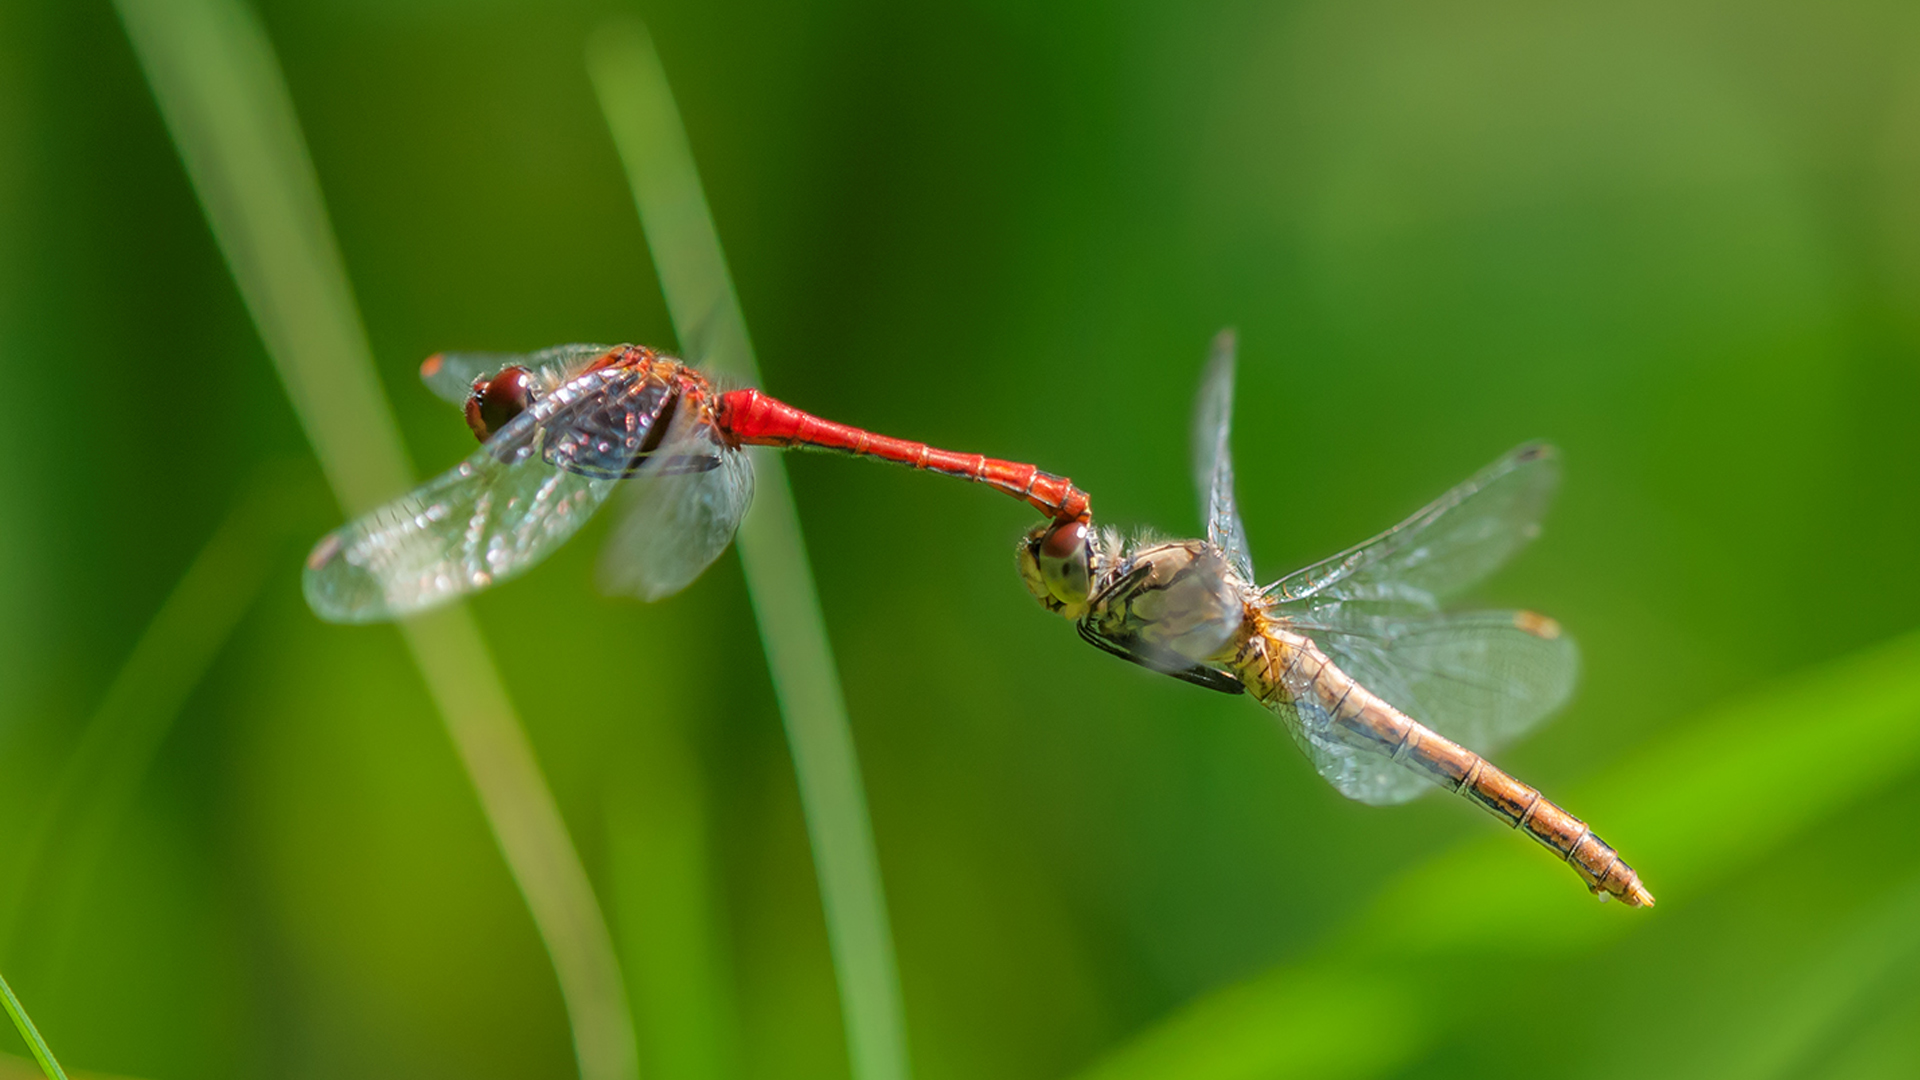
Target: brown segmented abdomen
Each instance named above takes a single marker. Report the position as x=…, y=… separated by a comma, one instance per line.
x=1278, y=664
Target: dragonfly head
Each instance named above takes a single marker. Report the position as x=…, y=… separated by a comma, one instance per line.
x=1057, y=563
x=497, y=399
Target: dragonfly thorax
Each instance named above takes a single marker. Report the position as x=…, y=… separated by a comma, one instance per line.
x=1175, y=596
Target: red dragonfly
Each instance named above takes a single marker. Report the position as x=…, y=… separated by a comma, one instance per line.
x=561, y=430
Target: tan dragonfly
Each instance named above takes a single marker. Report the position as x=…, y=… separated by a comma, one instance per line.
x=1383, y=689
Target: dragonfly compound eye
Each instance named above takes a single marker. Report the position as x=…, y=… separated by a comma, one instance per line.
x=496, y=401
x=1027, y=557
x=1065, y=558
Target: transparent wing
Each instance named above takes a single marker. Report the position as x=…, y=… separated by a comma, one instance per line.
x=1446, y=548
x=497, y=513
x=1361, y=775
x=451, y=375
x=1212, y=460
x=679, y=518
x=1481, y=679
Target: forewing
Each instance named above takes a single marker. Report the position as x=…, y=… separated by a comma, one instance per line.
x=451, y=375
x=1358, y=774
x=1481, y=679
x=494, y=515
x=1443, y=550
x=679, y=514
x=1213, y=460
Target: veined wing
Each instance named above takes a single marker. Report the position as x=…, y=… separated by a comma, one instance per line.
x=1481, y=679
x=1475, y=679
x=1354, y=771
x=1213, y=461
x=497, y=513
x=1361, y=775
x=451, y=375
x=681, y=514
x=1443, y=550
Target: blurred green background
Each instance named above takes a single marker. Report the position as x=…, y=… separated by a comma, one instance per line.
x=1682, y=240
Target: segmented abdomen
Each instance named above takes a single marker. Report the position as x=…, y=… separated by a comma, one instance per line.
x=1285, y=668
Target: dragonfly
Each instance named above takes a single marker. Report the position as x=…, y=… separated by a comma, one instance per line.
x=1381, y=686
x=563, y=429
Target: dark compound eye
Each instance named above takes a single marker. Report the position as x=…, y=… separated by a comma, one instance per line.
x=1064, y=540
x=1065, y=561
x=496, y=401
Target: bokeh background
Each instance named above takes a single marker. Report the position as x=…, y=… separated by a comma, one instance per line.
x=1682, y=240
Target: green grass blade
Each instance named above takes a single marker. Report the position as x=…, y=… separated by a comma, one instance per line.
x=1860, y=976
x=663, y=907
x=38, y=1045
x=1689, y=810
x=224, y=101
x=14, y=1067
x=103, y=775
x=639, y=107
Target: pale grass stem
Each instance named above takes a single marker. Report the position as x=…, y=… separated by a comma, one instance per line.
x=647, y=132
x=226, y=105
x=103, y=774
x=31, y=1034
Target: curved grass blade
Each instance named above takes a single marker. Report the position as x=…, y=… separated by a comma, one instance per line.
x=1864, y=974
x=661, y=899
x=38, y=1045
x=102, y=776
x=646, y=127
x=226, y=105
x=1692, y=808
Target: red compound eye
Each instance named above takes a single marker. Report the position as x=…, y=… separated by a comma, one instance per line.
x=1064, y=541
x=496, y=401
x=1065, y=561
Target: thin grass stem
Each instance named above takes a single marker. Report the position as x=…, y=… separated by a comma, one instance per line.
x=638, y=103
x=41, y=1052
x=666, y=916
x=226, y=105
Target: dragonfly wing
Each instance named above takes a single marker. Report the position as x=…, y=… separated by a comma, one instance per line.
x=1481, y=679
x=451, y=375
x=680, y=514
x=1446, y=548
x=1361, y=775
x=1213, y=461
x=497, y=513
